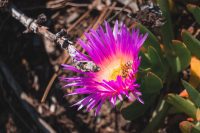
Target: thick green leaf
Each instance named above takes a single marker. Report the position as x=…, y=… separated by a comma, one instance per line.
x=167, y=28
x=183, y=55
x=193, y=93
x=167, y=36
x=195, y=129
x=192, y=43
x=182, y=104
x=173, y=111
x=151, y=39
x=151, y=86
x=151, y=83
x=137, y=109
x=145, y=62
x=158, y=117
x=156, y=62
x=195, y=10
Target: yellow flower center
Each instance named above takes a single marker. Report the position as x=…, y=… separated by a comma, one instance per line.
x=115, y=68
x=115, y=72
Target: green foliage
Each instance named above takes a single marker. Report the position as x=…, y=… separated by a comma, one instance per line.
x=161, y=64
x=195, y=10
x=158, y=115
x=183, y=55
x=137, y=109
x=182, y=104
x=156, y=62
x=151, y=40
x=167, y=28
x=151, y=84
x=188, y=107
x=193, y=93
x=195, y=129
x=192, y=43
x=145, y=63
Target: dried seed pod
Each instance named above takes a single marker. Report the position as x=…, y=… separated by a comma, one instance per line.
x=42, y=18
x=149, y=15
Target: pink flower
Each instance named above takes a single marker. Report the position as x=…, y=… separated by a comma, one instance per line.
x=116, y=53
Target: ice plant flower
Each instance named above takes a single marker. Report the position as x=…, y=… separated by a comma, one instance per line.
x=116, y=53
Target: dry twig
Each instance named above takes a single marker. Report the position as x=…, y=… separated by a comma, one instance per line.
x=106, y=12
x=34, y=26
x=59, y=38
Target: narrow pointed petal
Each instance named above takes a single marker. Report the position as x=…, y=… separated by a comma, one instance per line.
x=116, y=53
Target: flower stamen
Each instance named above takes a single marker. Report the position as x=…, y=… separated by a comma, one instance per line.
x=123, y=70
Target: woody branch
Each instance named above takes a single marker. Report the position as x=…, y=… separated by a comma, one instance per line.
x=33, y=25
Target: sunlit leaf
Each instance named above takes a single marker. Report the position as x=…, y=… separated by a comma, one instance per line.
x=198, y=114
x=195, y=72
x=182, y=104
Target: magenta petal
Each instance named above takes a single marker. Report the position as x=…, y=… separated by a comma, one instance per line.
x=105, y=46
x=72, y=68
x=99, y=107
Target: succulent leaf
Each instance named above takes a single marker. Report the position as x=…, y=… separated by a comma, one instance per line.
x=195, y=10
x=182, y=104
x=192, y=43
x=194, y=95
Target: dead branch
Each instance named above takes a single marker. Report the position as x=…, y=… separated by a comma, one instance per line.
x=106, y=12
x=34, y=26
